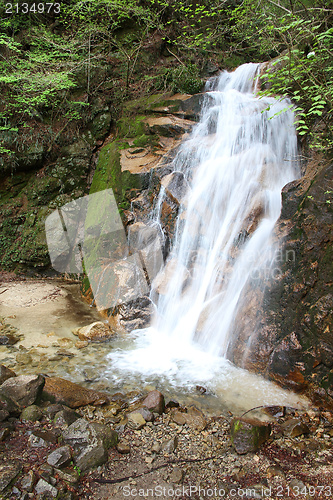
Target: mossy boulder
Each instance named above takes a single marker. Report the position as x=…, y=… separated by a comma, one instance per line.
x=247, y=435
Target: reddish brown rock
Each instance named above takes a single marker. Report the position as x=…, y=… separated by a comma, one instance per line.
x=294, y=343
x=59, y=390
x=155, y=402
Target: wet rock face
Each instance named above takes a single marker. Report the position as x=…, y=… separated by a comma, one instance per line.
x=294, y=345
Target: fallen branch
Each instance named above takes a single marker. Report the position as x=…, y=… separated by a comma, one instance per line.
x=171, y=462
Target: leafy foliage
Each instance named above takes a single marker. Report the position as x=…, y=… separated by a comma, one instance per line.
x=300, y=34
x=49, y=62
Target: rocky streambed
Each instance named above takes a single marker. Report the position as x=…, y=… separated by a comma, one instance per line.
x=59, y=440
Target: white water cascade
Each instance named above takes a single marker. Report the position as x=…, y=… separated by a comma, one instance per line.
x=236, y=161
x=241, y=155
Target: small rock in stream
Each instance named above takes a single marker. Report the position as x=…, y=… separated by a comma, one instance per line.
x=154, y=401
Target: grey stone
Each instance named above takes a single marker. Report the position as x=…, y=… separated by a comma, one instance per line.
x=79, y=434
x=24, y=389
x=52, y=409
x=59, y=457
x=28, y=481
x=147, y=415
x=31, y=413
x=41, y=438
x=169, y=445
x=66, y=417
x=9, y=406
x=45, y=488
x=106, y=435
x=37, y=442
x=8, y=472
x=46, y=468
x=91, y=456
x=68, y=474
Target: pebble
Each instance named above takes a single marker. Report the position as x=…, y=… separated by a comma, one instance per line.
x=169, y=445
x=123, y=447
x=176, y=475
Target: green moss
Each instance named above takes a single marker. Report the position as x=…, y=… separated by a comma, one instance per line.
x=131, y=127
x=141, y=141
x=108, y=171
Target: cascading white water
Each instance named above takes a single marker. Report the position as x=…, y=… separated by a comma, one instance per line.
x=236, y=161
x=243, y=152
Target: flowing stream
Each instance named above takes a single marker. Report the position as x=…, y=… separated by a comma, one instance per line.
x=236, y=161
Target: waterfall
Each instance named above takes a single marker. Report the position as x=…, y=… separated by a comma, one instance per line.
x=237, y=160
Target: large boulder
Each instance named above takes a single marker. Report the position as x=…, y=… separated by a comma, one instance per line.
x=25, y=390
x=63, y=391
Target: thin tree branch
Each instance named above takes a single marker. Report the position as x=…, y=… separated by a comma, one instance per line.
x=166, y=464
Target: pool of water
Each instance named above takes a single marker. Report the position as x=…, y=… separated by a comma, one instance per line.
x=45, y=313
